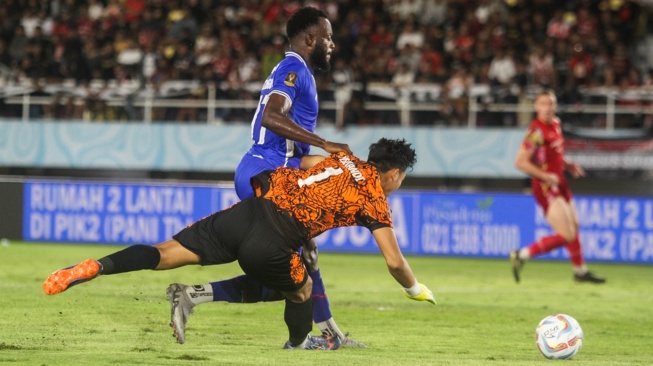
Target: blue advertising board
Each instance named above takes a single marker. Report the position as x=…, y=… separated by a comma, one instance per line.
x=425, y=222
x=452, y=224
x=110, y=213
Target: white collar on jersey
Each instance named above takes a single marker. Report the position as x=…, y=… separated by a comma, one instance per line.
x=296, y=55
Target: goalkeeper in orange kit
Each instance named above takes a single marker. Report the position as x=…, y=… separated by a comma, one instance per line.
x=264, y=233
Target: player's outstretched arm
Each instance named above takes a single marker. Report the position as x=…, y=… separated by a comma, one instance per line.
x=275, y=118
x=398, y=266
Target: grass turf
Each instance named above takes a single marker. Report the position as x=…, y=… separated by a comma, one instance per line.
x=482, y=316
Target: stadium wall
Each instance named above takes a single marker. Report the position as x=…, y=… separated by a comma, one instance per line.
x=174, y=147
x=106, y=209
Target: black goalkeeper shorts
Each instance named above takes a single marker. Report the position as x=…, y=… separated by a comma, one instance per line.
x=242, y=233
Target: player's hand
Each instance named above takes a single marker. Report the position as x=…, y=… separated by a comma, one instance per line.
x=551, y=179
x=425, y=295
x=575, y=170
x=334, y=147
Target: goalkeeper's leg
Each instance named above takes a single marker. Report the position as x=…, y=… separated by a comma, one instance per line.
x=321, y=308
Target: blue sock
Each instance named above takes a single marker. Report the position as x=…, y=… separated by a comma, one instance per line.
x=321, y=310
x=242, y=289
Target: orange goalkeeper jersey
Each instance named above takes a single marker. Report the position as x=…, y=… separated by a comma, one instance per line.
x=340, y=191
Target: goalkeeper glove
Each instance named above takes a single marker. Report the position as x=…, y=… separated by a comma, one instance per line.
x=423, y=293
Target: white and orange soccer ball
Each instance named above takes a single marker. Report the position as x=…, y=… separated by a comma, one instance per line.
x=559, y=336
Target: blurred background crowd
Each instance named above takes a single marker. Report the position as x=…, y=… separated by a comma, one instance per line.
x=500, y=47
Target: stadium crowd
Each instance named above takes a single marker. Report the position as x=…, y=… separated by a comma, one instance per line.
x=507, y=45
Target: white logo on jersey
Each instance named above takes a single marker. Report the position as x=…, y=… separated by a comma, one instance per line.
x=319, y=177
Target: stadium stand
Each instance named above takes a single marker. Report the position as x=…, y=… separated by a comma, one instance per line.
x=100, y=60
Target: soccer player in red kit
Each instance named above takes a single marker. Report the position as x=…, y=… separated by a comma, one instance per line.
x=541, y=156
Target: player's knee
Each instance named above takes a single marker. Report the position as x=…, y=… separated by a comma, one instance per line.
x=309, y=255
x=303, y=294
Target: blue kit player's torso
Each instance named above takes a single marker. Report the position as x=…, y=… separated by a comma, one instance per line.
x=292, y=79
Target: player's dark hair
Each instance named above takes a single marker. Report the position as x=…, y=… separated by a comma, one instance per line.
x=387, y=154
x=303, y=19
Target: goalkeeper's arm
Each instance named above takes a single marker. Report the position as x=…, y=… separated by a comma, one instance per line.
x=398, y=266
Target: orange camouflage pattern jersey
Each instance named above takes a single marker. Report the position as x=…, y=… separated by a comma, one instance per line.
x=342, y=190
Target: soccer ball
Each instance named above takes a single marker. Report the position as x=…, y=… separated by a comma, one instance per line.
x=559, y=336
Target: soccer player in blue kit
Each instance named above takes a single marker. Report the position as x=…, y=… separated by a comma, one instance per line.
x=283, y=133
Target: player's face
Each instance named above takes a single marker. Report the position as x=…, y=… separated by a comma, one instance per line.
x=545, y=107
x=324, y=46
x=391, y=180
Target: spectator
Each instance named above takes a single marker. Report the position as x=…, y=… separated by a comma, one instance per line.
x=580, y=66
x=405, y=9
x=29, y=22
x=433, y=12
x=5, y=57
x=502, y=68
x=381, y=37
x=619, y=61
x=403, y=79
x=130, y=54
x=558, y=28
x=183, y=24
x=541, y=67
x=430, y=63
x=410, y=35
x=586, y=23
x=95, y=9
x=18, y=44
x=204, y=44
x=455, y=102
x=183, y=62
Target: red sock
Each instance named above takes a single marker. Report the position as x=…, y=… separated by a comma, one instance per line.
x=546, y=244
x=576, y=253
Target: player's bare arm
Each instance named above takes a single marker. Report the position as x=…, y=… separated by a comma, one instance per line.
x=309, y=161
x=399, y=269
x=523, y=163
x=275, y=118
x=398, y=266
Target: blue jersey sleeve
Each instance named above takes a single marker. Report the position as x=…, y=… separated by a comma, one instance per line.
x=292, y=79
x=289, y=80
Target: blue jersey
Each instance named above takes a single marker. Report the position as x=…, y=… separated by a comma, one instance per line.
x=291, y=78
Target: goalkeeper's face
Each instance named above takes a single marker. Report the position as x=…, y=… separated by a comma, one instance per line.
x=391, y=180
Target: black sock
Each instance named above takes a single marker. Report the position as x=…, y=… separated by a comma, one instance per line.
x=299, y=319
x=133, y=258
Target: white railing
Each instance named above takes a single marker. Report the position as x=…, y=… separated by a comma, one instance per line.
x=416, y=98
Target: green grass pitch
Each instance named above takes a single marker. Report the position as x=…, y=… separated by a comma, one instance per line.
x=482, y=316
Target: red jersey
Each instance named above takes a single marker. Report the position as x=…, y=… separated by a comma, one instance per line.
x=545, y=143
x=342, y=190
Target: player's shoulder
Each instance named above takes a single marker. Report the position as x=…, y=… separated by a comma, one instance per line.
x=535, y=126
x=293, y=62
x=292, y=70
x=346, y=157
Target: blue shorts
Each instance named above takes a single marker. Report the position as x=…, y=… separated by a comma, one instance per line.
x=253, y=164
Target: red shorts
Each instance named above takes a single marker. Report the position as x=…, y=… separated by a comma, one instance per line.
x=544, y=195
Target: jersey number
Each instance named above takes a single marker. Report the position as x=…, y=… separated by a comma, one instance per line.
x=319, y=177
